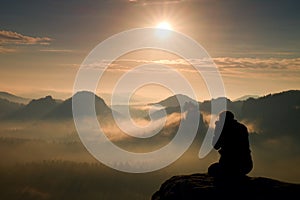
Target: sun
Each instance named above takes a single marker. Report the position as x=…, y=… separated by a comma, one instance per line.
x=164, y=25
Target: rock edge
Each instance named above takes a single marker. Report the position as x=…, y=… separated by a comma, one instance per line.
x=197, y=186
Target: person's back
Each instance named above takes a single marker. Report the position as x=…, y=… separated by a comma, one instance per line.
x=233, y=146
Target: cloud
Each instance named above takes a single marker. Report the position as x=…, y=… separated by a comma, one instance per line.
x=115, y=133
x=283, y=68
x=264, y=68
x=57, y=50
x=125, y=65
x=10, y=38
x=258, y=63
x=7, y=50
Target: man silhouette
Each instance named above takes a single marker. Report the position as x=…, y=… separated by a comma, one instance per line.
x=233, y=147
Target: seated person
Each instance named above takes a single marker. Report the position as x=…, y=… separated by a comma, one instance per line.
x=233, y=147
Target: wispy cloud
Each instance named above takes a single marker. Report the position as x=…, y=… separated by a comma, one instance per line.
x=258, y=63
x=282, y=68
x=124, y=65
x=8, y=39
x=266, y=68
x=6, y=50
x=57, y=50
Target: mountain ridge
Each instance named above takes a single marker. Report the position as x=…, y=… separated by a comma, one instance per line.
x=47, y=108
x=35, y=109
x=175, y=101
x=63, y=109
x=7, y=107
x=13, y=98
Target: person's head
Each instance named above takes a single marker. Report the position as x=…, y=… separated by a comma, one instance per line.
x=226, y=116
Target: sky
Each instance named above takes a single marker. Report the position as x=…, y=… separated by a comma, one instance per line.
x=255, y=44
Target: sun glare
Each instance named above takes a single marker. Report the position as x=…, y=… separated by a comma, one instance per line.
x=164, y=25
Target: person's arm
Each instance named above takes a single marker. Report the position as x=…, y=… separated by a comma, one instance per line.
x=246, y=137
x=218, y=138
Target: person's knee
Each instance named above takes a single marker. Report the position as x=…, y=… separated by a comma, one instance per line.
x=214, y=169
x=247, y=169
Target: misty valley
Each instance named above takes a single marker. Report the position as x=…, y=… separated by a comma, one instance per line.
x=42, y=156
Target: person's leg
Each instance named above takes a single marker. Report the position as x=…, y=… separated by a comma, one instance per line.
x=214, y=169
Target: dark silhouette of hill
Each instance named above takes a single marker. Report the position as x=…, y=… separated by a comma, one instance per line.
x=14, y=98
x=274, y=113
x=64, y=110
x=281, y=107
x=278, y=110
x=235, y=107
x=205, y=107
x=171, y=105
x=48, y=108
x=174, y=101
x=7, y=107
x=203, y=186
x=36, y=109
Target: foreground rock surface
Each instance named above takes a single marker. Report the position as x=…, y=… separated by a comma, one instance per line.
x=199, y=186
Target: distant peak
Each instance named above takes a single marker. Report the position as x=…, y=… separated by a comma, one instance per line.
x=49, y=97
x=84, y=93
x=175, y=100
x=46, y=99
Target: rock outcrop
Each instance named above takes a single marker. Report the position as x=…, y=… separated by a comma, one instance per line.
x=201, y=186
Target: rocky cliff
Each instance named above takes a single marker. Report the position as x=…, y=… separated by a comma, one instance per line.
x=200, y=186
